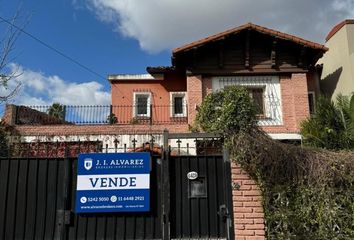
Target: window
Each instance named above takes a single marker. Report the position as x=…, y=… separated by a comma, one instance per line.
x=270, y=106
x=311, y=97
x=142, y=103
x=258, y=98
x=178, y=104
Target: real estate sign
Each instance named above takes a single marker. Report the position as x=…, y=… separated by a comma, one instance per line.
x=113, y=182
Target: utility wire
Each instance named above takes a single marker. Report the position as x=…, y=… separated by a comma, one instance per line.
x=53, y=49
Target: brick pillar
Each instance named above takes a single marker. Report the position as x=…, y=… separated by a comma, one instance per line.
x=288, y=103
x=10, y=114
x=195, y=96
x=301, y=102
x=247, y=206
x=295, y=104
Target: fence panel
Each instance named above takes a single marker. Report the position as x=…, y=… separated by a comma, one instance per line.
x=34, y=204
x=89, y=115
x=30, y=193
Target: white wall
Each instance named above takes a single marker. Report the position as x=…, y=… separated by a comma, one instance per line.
x=338, y=61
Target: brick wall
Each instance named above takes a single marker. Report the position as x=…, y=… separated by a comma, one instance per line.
x=207, y=86
x=247, y=206
x=195, y=96
x=301, y=102
x=55, y=130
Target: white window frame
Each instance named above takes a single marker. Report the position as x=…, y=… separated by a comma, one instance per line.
x=173, y=95
x=135, y=106
x=273, y=114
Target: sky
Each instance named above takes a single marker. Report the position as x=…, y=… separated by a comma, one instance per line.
x=126, y=36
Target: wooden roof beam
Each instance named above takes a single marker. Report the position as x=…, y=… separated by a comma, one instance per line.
x=302, y=56
x=221, y=54
x=273, y=54
x=195, y=56
x=247, y=49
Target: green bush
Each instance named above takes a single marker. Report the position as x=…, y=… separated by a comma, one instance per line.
x=227, y=112
x=112, y=118
x=332, y=125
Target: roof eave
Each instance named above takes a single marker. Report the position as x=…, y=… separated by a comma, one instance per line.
x=252, y=26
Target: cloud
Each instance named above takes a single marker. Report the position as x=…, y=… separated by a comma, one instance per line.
x=164, y=24
x=39, y=89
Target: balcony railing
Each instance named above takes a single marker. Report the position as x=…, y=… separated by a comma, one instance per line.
x=81, y=115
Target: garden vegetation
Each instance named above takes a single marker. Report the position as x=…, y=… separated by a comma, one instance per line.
x=308, y=193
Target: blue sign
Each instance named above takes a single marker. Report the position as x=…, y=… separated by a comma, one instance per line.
x=113, y=182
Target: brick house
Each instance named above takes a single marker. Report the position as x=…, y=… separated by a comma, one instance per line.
x=278, y=69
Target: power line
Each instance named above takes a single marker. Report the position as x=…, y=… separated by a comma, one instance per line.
x=53, y=49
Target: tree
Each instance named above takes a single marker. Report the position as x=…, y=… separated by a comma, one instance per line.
x=332, y=125
x=57, y=110
x=9, y=33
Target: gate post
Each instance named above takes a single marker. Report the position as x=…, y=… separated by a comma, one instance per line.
x=63, y=214
x=228, y=193
x=165, y=188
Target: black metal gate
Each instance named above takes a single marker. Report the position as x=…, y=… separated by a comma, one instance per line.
x=198, y=207
x=37, y=200
x=200, y=190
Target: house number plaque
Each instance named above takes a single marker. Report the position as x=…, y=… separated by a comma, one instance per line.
x=192, y=175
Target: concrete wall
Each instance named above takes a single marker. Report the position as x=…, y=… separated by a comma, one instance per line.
x=122, y=90
x=159, y=90
x=338, y=63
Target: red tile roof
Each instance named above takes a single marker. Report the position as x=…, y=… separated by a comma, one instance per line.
x=338, y=27
x=255, y=27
